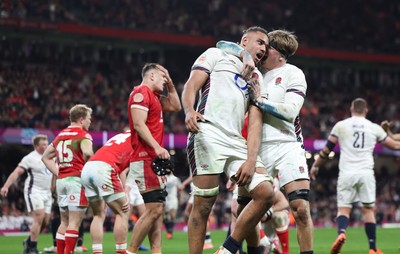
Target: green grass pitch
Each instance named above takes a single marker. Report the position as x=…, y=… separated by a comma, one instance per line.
x=388, y=240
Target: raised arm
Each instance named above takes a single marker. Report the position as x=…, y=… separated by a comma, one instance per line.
x=386, y=126
x=236, y=50
x=196, y=80
x=171, y=102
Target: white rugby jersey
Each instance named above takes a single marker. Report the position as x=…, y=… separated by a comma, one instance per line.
x=39, y=177
x=172, y=185
x=277, y=83
x=357, y=138
x=224, y=99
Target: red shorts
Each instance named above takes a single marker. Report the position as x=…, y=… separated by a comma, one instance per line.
x=146, y=180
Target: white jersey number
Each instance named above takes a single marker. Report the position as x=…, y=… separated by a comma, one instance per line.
x=118, y=139
x=65, y=153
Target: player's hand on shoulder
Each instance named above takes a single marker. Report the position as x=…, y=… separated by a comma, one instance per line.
x=245, y=173
x=248, y=65
x=191, y=120
x=254, y=88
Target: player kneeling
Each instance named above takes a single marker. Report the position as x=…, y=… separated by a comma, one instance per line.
x=102, y=178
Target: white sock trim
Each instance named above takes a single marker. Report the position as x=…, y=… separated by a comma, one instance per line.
x=60, y=236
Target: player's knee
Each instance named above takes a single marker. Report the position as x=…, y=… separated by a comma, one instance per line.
x=301, y=213
x=281, y=220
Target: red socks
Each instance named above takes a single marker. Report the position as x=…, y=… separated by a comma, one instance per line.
x=71, y=237
x=284, y=239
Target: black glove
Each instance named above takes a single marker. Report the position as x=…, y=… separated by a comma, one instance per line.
x=162, y=167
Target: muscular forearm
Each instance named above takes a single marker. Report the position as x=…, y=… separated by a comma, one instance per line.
x=287, y=111
x=231, y=48
x=254, y=133
x=145, y=134
x=172, y=102
x=13, y=177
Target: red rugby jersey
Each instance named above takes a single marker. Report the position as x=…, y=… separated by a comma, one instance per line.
x=116, y=152
x=69, y=156
x=143, y=98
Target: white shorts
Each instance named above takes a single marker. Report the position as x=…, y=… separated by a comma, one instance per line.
x=36, y=200
x=171, y=203
x=135, y=198
x=70, y=192
x=100, y=180
x=356, y=187
x=286, y=159
x=212, y=151
x=191, y=197
x=140, y=172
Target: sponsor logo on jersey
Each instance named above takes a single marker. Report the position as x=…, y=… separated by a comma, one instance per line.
x=68, y=133
x=201, y=59
x=143, y=154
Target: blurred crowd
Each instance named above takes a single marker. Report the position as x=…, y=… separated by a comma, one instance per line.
x=344, y=25
x=39, y=82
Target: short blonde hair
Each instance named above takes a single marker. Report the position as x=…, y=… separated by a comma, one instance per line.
x=37, y=138
x=285, y=42
x=78, y=111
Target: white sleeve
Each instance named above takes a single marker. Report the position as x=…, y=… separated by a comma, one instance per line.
x=207, y=61
x=288, y=110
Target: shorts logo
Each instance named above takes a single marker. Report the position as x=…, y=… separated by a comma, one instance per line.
x=104, y=187
x=72, y=197
x=204, y=167
x=301, y=169
x=278, y=81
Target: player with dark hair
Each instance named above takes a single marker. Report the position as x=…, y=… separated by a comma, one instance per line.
x=215, y=144
x=357, y=137
x=37, y=190
x=71, y=148
x=145, y=107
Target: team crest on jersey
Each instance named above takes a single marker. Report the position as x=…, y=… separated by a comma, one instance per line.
x=72, y=197
x=301, y=169
x=138, y=97
x=201, y=59
x=278, y=81
x=104, y=187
